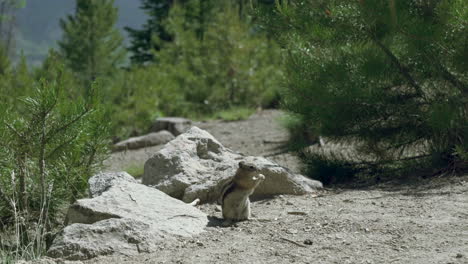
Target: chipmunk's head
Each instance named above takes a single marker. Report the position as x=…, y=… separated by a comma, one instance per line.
x=248, y=166
x=248, y=175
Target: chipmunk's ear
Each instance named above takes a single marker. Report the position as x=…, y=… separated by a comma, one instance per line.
x=241, y=164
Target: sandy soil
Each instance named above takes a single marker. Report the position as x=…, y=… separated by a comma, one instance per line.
x=424, y=221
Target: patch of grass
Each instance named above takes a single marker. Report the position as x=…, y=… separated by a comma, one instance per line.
x=12, y=252
x=234, y=114
x=136, y=170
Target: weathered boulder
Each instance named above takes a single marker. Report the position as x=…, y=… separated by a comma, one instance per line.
x=127, y=218
x=108, y=237
x=175, y=125
x=48, y=260
x=195, y=165
x=151, y=139
x=99, y=183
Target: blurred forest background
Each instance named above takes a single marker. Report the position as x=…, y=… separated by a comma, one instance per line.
x=37, y=25
x=387, y=79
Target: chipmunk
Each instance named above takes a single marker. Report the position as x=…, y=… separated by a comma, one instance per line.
x=235, y=201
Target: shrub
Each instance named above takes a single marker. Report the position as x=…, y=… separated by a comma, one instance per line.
x=50, y=146
x=391, y=75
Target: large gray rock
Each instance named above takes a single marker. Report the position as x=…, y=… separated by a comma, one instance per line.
x=196, y=165
x=99, y=183
x=151, y=139
x=127, y=218
x=175, y=125
x=108, y=237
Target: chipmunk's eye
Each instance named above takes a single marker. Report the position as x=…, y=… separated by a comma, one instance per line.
x=252, y=167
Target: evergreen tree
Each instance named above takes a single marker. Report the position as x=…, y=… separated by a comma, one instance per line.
x=143, y=40
x=52, y=146
x=91, y=44
x=216, y=61
x=389, y=74
x=8, y=9
x=4, y=61
x=154, y=34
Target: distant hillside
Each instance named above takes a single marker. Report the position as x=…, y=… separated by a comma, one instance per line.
x=39, y=30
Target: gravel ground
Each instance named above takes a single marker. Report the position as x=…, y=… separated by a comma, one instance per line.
x=425, y=221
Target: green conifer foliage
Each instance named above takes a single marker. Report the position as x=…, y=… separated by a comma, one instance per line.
x=216, y=61
x=91, y=44
x=391, y=74
x=142, y=43
x=53, y=142
x=4, y=61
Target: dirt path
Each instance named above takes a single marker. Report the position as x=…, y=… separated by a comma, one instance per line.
x=422, y=222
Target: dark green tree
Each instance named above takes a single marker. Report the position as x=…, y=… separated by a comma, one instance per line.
x=91, y=44
x=216, y=62
x=143, y=41
x=391, y=76
x=4, y=61
x=151, y=38
x=8, y=9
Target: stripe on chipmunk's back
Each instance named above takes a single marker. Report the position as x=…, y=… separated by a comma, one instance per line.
x=228, y=189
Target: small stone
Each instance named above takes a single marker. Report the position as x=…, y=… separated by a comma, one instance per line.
x=308, y=242
x=175, y=125
x=459, y=255
x=151, y=139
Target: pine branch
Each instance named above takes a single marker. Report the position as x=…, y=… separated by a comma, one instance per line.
x=61, y=146
x=403, y=69
x=67, y=125
x=452, y=79
x=20, y=136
